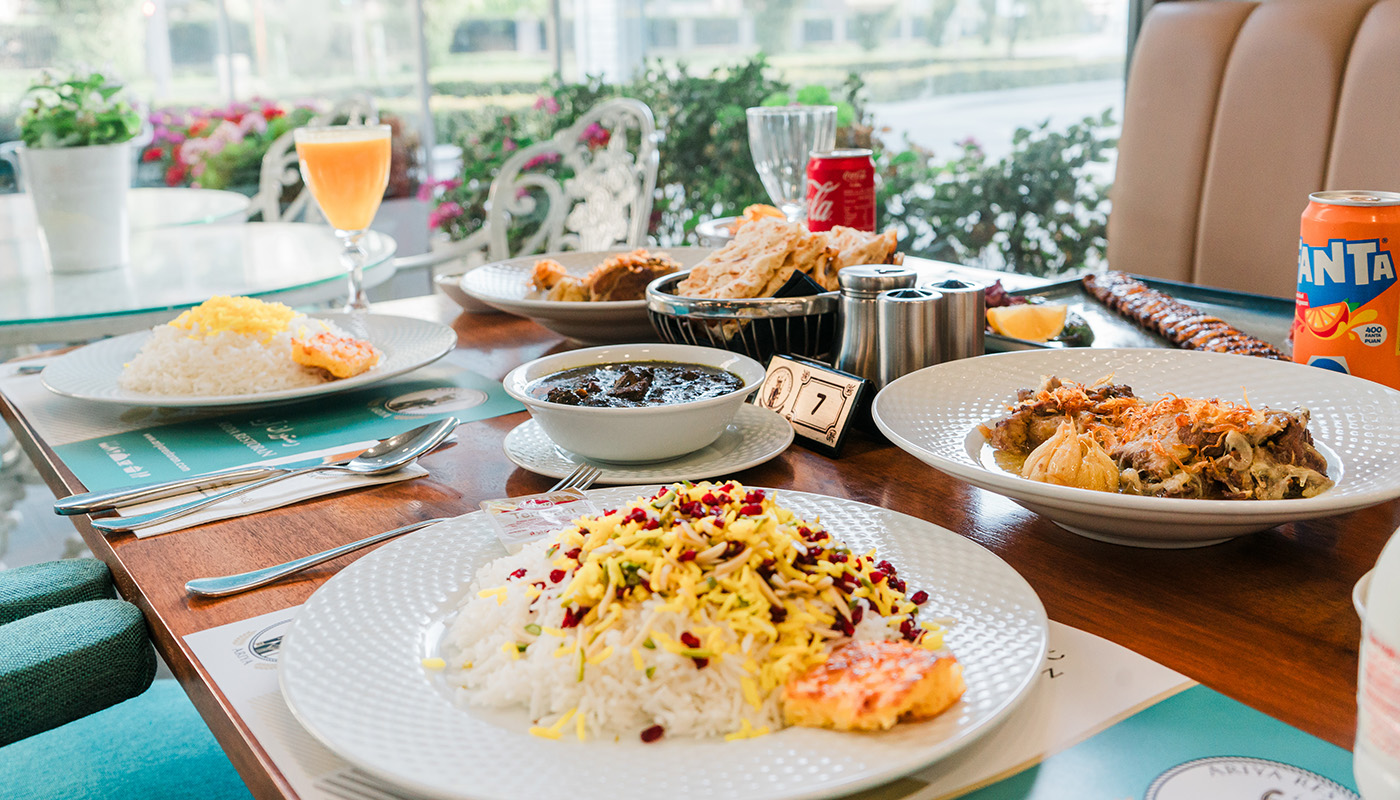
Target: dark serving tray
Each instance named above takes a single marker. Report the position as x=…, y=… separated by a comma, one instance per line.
x=1268, y=318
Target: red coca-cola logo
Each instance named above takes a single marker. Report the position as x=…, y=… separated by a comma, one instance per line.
x=819, y=202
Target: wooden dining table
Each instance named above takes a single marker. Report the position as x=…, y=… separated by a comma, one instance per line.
x=1266, y=618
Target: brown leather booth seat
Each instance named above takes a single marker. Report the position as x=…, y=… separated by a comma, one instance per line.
x=1235, y=112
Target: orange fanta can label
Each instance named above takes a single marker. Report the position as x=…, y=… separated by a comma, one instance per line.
x=1347, y=312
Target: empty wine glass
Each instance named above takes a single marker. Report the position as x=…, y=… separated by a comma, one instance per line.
x=781, y=139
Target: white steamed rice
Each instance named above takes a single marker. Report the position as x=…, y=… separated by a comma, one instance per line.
x=175, y=362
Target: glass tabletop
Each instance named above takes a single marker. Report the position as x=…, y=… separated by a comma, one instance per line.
x=149, y=208
x=177, y=267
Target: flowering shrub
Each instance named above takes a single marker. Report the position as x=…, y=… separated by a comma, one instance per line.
x=216, y=148
x=77, y=110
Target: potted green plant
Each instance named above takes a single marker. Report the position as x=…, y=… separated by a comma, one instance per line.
x=76, y=162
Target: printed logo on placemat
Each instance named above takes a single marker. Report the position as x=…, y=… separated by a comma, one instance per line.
x=259, y=649
x=1240, y=777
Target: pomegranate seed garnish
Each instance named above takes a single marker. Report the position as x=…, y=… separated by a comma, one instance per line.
x=653, y=733
x=556, y=575
x=857, y=612
x=837, y=558
x=751, y=510
x=709, y=499
x=609, y=512
x=520, y=573
x=804, y=531
x=701, y=663
x=690, y=640
x=717, y=521
x=887, y=567
x=845, y=626
x=688, y=555
x=897, y=584
x=574, y=553
x=728, y=487
x=920, y=597
x=572, y=617
x=756, y=496
x=907, y=628
x=652, y=524
x=876, y=576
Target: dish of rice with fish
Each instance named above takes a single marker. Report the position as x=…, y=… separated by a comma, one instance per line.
x=240, y=345
x=704, y=610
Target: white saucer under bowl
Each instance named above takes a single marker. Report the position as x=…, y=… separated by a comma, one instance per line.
x=754, y=436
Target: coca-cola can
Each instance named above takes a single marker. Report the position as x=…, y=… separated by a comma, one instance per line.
x=841, y=190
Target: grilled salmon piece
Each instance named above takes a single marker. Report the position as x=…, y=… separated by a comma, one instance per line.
x=341, y=356
x=869, y=686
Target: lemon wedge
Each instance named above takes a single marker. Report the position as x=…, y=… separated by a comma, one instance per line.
x=1035, y=322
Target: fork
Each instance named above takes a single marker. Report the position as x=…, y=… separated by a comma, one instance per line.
x=581, y=478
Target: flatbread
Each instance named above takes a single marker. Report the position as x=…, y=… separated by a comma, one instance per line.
x=766, y=252
x=742, y=268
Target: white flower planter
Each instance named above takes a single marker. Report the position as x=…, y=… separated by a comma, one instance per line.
x=79, y=198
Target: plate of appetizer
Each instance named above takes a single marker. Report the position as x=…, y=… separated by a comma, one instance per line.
x=741, y=649
x=1152, y=448
x=595, y=297
x=238, y=351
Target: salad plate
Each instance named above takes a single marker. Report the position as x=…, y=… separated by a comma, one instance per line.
x=367, y=631
x=505, y=285
x=93, y=372
x=934, y=415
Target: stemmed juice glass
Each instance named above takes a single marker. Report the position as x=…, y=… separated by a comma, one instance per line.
x=346, y=167
x=781, y=139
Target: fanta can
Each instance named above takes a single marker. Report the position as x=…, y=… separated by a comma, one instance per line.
x=1347, y=309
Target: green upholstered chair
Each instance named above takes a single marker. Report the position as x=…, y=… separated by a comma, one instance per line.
x=80, y=716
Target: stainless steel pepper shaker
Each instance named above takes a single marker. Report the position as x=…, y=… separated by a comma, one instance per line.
x=962, y=318
x=856, y=344
x=907, y=321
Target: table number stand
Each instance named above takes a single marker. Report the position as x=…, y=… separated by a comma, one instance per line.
x=820, y=402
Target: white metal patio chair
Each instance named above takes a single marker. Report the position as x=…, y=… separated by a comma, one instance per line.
x=605, y=203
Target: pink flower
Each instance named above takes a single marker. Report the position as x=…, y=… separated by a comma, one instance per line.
x=540, y=160
x=548, y=103
x=509, y=145
x=595, y=135
x=445, y=213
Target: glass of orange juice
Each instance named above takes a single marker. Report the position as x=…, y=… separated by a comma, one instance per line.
x=346, y=167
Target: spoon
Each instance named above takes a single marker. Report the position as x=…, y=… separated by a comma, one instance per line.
x=389, y=455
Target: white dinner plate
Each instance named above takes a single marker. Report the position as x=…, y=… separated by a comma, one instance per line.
x=92, y=372
x=506, y=285
x=351, y=672
x=934, y=413
x=754, y=436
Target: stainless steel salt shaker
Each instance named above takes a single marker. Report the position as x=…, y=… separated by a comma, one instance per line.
x=962, y=318
x=860, y=286
x=907, y=337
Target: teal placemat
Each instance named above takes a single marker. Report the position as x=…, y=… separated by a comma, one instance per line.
x=1195, y=745
x=264, y=434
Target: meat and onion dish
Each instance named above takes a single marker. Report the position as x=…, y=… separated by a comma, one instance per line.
x=635, y=383
x=1106, y=438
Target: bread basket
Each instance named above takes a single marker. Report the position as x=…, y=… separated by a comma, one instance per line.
x=759, y=327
